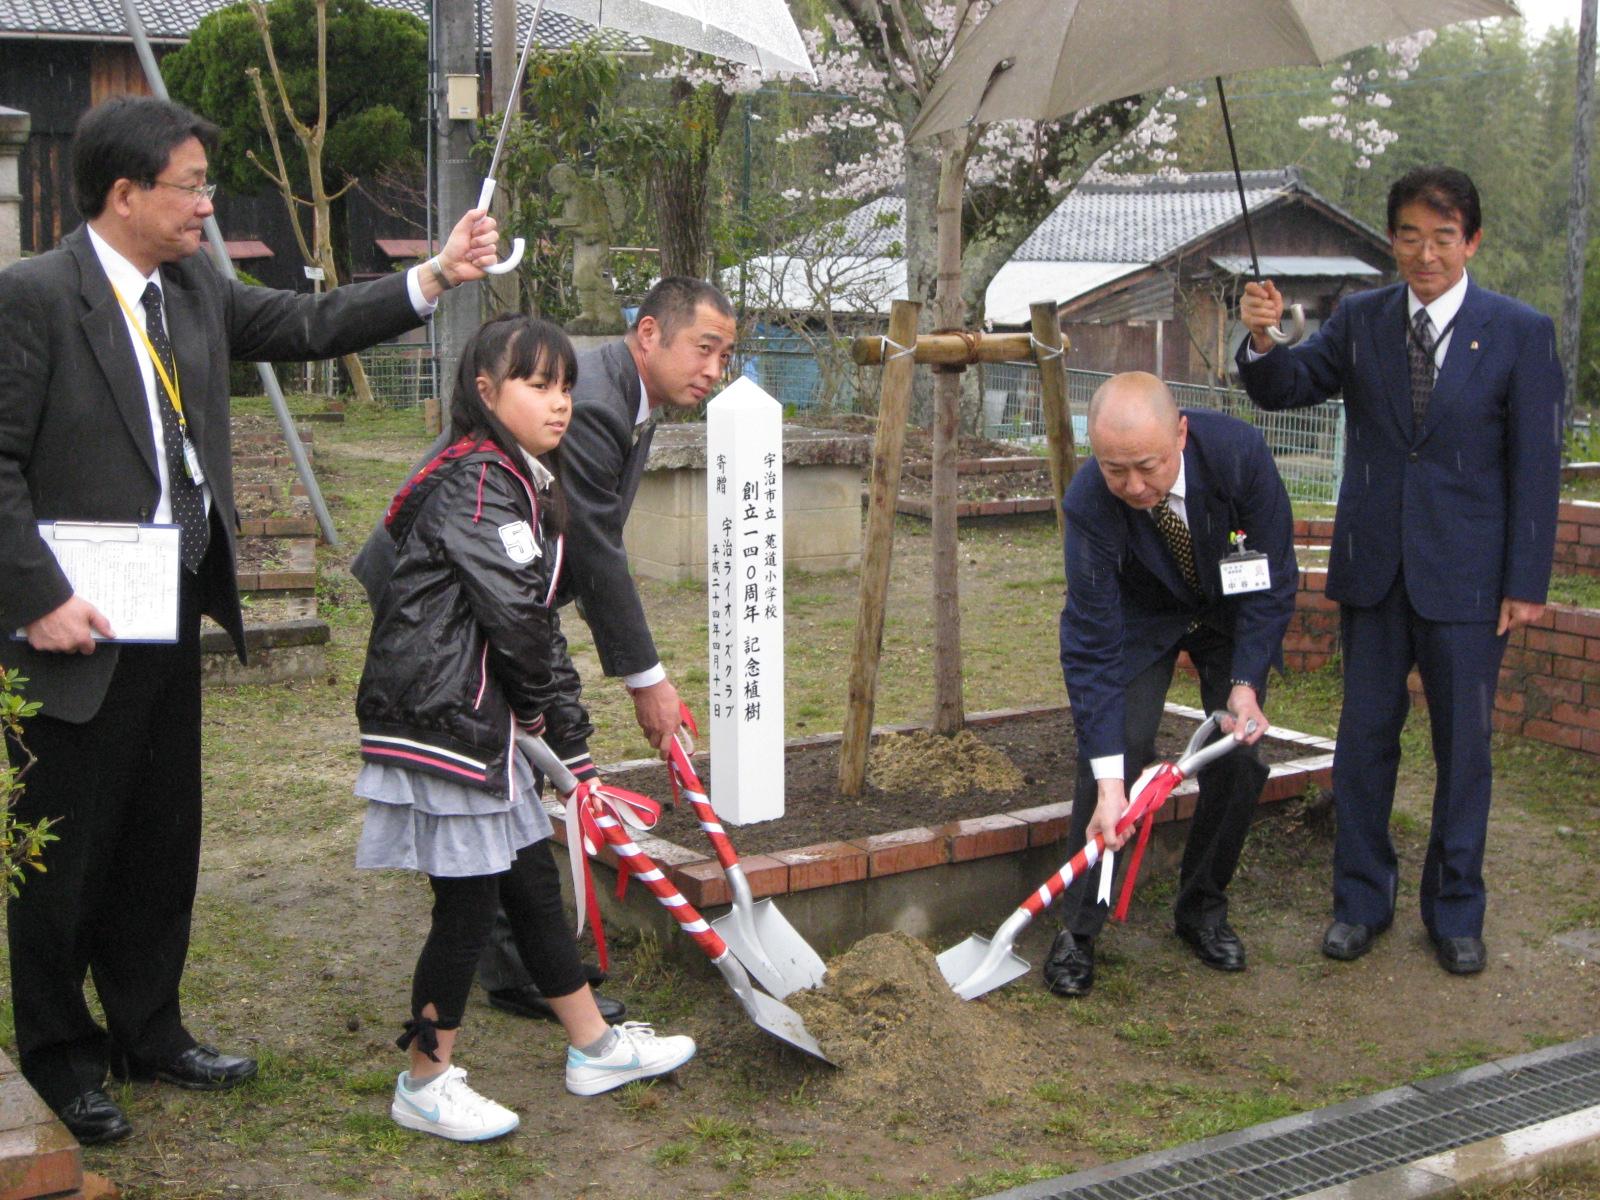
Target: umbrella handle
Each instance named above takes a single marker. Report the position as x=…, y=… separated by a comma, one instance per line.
x=1276, y=333
x=508, y=263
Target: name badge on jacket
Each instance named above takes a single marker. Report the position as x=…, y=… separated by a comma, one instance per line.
x=1244, y=570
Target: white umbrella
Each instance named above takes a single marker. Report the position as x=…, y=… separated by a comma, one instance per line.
x=758, y=33
x=1043, y=59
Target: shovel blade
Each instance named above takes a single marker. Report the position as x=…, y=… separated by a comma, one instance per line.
x=964, y=967
x=771, y=949
x=782, y=1022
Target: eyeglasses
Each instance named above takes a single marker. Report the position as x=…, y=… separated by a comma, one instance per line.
x=202, y=191
x=1442, y=243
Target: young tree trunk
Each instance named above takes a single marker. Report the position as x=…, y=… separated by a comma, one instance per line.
x=948, y=714
x=679, y=193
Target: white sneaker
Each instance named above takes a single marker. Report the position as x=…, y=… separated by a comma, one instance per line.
x=638, y=1054
x=446, y=1106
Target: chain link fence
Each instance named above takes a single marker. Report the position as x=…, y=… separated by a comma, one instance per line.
x=1307, y=443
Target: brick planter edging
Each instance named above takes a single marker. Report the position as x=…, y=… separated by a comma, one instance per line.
x=783, y=872
x=1577, y=549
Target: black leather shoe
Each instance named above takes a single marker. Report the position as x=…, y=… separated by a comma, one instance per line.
x=530, y=1002
x=1069, y=968
x=1460, y=955
x=93, y=1117
x=1218, y=946
x=1348, y=942
x=199, y=1068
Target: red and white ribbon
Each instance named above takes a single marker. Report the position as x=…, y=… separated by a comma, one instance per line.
x=585, y=807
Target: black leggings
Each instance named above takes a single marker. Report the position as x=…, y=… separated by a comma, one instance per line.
x=463, y=913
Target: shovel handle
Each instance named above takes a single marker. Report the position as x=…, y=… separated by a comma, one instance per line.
x=1080, y=863
x=683, y=775
x=645, y=871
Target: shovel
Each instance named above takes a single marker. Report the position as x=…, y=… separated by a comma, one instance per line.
x=777, y=1018
x=759, y=935
x=981, y=964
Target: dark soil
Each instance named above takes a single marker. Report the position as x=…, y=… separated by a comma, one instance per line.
x=1041, y=749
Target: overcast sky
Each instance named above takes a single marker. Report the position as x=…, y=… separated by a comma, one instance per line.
x=1541, y=14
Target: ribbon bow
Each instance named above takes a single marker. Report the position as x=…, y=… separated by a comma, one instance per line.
x=584, y=803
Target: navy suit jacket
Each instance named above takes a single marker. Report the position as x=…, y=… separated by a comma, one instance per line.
x=1468, y=503
x=1127, y=602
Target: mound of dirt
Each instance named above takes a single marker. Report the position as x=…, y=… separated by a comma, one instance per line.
x=946, y=765
x=901, y=1037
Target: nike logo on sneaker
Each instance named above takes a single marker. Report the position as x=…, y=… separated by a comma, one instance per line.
x=431, y=1114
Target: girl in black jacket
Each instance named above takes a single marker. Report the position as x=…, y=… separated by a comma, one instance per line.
x=460, y=660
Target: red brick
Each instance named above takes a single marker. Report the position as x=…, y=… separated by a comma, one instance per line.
x=39, y=1160
x=1591, y=693
x=1584, y=512
x=702, y=883
x=904, y=850
x=1557, y=735
x=1507, y=723
x=1511, y=702
x=1585, y=621
x=1576, y=668
x=1580, y=715
x=1047, y=823
x=1591, y=649
x=1566, y=531
x=1589, y=535
x=981, y=837
x=766, y=875
x=1554, y=690
x=823, y=865
x=1591, y=742
x=1181, y=805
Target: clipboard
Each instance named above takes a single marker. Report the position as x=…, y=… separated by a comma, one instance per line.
x=129, y=572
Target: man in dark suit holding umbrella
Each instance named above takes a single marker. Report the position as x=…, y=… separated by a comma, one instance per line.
x=114, y=408
x=1156, y=564
x=1442, y=541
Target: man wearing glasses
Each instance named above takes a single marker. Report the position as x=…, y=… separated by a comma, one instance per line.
x=1442, y=541
x=114, y=408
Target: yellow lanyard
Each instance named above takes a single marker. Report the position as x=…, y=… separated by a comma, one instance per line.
x=170, y=383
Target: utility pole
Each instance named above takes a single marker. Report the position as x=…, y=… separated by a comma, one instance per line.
x=1578, y=206
x=456, y=46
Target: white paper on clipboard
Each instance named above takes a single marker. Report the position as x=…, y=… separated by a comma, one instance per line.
x=129, y=572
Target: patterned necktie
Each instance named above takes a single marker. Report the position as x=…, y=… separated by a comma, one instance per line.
x=188, y=505
x=1419, y=350
x=1176, y=535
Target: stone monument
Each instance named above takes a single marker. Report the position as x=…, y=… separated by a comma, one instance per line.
x=586, y=215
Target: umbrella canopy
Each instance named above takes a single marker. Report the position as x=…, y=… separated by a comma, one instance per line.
x=758, y=33
x=1043, y=59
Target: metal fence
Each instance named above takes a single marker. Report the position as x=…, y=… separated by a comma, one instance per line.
x=401, y=374
x=1307, y=443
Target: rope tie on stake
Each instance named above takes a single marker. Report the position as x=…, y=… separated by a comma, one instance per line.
x=1044, y=353
x=885, y=341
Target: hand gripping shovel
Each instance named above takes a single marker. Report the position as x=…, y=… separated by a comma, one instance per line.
x=758, y=934
x=777, y=1018
x=981, y=964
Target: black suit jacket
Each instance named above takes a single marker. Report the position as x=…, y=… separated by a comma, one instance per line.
x=601, y=465
x=1127, y=602
x=75, y=436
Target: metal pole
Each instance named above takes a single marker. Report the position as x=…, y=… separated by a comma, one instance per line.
x=1578, y=207
x=219, y=254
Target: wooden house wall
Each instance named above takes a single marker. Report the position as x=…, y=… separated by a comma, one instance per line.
x=55, y=82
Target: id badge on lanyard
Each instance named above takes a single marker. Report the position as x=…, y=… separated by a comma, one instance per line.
x=1244, y=570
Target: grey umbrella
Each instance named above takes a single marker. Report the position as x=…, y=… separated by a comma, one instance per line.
x=1043, y=59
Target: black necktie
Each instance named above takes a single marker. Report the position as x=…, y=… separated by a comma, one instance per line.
x=188, y=505
x=1419, y=350
x=1176, y=535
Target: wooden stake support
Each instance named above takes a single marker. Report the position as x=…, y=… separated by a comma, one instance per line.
x=894, y=406
x=899, y=353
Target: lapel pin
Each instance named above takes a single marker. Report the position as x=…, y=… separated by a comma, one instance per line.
x=1474, y=346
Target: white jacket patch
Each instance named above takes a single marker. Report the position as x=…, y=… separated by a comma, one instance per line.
x=519, y=542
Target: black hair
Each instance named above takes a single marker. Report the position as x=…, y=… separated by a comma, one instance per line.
x=673, y=300
x=129, y=137
x=512, y=346
x=1445, y=190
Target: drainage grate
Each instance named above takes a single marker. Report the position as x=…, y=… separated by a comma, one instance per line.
x=1302, y=1154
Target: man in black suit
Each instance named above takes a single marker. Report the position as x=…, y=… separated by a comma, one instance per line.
x=1150, y=520
x=114, y=407
x=680, y=344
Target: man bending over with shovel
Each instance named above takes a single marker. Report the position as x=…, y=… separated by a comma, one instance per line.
x=1179, y=538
